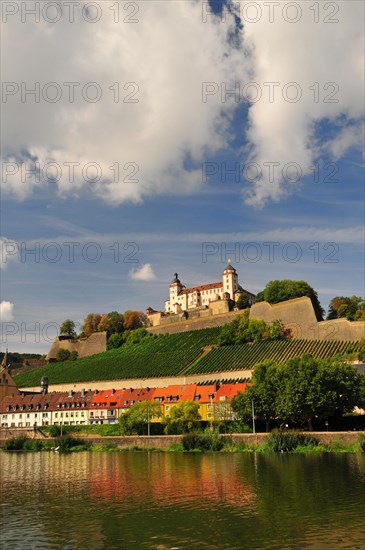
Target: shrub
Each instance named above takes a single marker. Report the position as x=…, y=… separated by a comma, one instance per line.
x=15, y=443
x=202, y=442
x=66, y=443
x=54, y=431
x=280, y=441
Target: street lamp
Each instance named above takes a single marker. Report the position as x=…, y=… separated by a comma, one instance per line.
x=253, y=417
x=148, y=418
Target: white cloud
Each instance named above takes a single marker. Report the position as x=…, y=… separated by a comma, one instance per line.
x=165, y=57
x=304, y=53
x=9, y=252
x=144, y=273
x=158, y=143
x=6, y=311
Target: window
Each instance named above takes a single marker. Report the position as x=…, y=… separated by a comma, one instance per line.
x=167, y=407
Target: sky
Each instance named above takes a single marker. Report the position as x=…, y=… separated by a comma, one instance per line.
x=140, y=139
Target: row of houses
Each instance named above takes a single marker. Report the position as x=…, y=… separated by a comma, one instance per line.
x=26, y=410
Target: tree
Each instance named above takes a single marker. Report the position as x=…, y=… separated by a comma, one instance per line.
x=183, y=418
x=115, y=341
x=243, y=301
x=73, y=356
x=68, y=329
x=91, y=323
x=115, y=322
x=135, y=420
x=134, y=319
x=282, y=290
x=311, y=387
x=243, y=329
x=263, y=392
x=353, y=308
x=135, y=336
x=63, y=354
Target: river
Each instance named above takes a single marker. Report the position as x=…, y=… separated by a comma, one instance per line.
x=131, y=500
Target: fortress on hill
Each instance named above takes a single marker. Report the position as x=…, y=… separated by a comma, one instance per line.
x=200, y=301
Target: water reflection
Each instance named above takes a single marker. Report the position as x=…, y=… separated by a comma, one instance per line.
x=164, y=501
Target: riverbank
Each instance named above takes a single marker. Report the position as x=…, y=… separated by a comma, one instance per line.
x=276, y=441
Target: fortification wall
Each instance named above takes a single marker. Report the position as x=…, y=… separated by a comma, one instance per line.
x=96, y=343
x=297, y=315
x=195, y=324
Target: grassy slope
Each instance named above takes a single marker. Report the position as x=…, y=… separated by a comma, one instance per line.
x=155, y=356
x=175, y=354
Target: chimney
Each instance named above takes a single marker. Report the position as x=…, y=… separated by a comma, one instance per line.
x=70, y=393
x=83, y=392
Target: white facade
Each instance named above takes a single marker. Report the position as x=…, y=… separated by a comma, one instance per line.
x=184, y=299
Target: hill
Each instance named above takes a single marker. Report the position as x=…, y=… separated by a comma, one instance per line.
x=186, y=353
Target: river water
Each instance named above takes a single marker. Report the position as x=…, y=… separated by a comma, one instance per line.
x=133, y=500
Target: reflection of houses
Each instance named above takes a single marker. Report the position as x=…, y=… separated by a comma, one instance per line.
x=217, y=298
x=24, y=410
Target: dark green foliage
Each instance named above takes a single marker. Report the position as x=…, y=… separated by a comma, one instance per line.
x=15, y=443
x=68, y=442
x=280, y=441
x=68, y=329
x=202, y=442
x=63, y=355
x=115, y=341
x=243, y=329
x=243, y=301
x=54, y=431
x=282, y=290
x=353, y=308
x=23, y=443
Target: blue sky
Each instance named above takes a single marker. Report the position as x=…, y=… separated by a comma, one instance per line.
x=147, y=229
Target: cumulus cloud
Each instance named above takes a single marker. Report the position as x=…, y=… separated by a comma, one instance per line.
x=150, y=130
x=323, y=60
x=6, y=311
x=144, y=273
x=9, y=252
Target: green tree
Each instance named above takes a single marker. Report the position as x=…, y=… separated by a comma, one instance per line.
x=282, y=290
x=243, y=301
x=311, y=387
x=184, y=417
x=115, y=341
x=243, y=329
x=68, y=329
x=135, y=336
x=263, y=392
x=63, y=354
x=135, y=420
x=115, y=322
x=353, y=308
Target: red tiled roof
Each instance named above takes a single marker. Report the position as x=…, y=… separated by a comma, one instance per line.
x=229, y=391
x=111, y=399
x=209, y=286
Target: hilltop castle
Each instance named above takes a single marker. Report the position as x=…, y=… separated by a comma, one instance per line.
x=185, y=299
x=200, y=301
